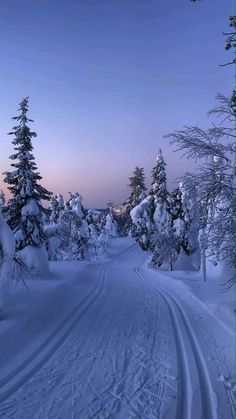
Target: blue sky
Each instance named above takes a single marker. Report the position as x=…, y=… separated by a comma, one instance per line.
x=106, y=80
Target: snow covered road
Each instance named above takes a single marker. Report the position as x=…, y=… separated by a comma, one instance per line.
x=133, y=345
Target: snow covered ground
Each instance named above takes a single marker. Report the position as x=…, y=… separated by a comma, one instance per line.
x=115, y=339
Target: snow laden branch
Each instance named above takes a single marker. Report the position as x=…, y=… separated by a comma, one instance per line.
x=196, y=143
x=225, y=107
x=219, y=141
x=214, y=178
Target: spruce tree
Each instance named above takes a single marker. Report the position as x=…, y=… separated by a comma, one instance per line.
x=178, y=219
x=137, y=185
x=163, y=244
x=159, y=189
x=56, y=207
x=138, y=188
x=191, y=216
x=25, y=212
x=2, y=200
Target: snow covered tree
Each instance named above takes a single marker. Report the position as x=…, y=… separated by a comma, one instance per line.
x=138, y=188
x=53, y=229
x=2, y=200
x=110, y=227
x=191, y=214
x=214, y=181
x=164, y=243
x=73, y=229
x=159, y=189
x=178, y=217
x=24, y=210
x=98, y=237
x=56, y=206
x=7, y=251
x=143, y=226
x=220, y=217
x=137, y=185
x=152, y=220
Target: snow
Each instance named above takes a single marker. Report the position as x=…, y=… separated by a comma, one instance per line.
x=54, y=248
x=116, y=339
x=137, y=212
x=7, y=249
x=30, y=209
x=35, y=259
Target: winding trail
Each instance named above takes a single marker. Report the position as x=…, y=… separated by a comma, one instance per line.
x=131, y=347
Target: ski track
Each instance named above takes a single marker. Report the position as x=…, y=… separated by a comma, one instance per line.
x=184, y=329
x=127, y=351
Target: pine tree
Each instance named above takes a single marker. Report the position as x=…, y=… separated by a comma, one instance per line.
x=138, y=188
x=2, y=200
x=163, y=244
x=143, y=228
x=25, y=212
x=191, y=213
x=137, y=185
x=159, y=189
x=74, y=231
x=56, y=206
x=178, y=217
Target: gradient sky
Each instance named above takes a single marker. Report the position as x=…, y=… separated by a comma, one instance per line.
x=107, y=79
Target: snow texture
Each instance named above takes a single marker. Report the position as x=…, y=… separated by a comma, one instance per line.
x=115, y=339
x=35, y=259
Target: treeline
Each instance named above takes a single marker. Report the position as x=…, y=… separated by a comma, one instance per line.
x=179, y=228
x=196, y=220
x=63, y=231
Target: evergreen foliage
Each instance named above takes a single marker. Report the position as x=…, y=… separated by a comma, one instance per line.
x=25, y=212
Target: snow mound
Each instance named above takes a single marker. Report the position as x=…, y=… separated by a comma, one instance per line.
x=36, y=259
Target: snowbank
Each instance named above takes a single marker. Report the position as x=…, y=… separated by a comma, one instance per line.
x=7, y=249
x=36, y=259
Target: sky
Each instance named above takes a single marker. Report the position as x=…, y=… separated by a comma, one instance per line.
x=106, y=81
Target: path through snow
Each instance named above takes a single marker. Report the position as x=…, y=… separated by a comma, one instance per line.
x=134, y=346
